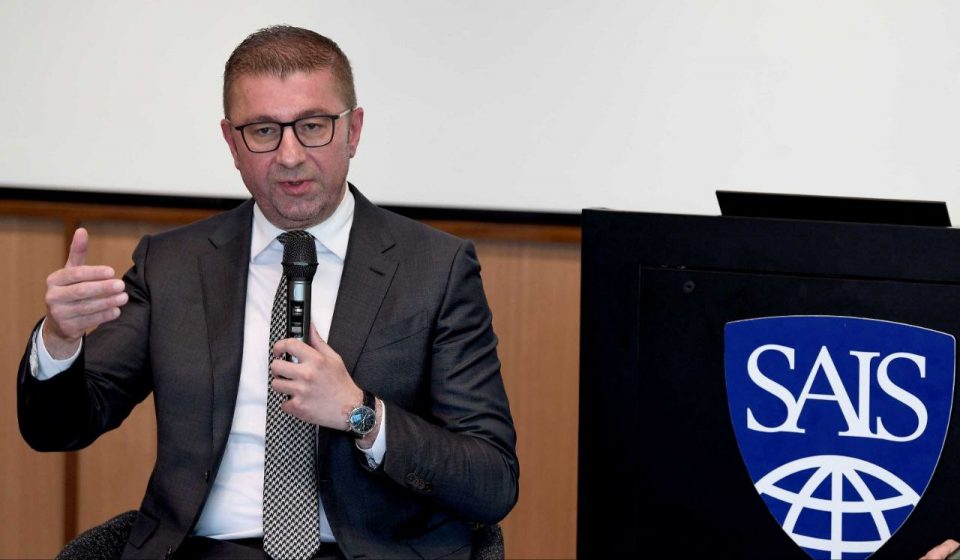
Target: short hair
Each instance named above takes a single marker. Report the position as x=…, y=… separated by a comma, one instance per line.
x=282, y=50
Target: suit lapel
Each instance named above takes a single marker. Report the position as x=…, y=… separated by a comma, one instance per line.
x=367, y=274
x=223, y=273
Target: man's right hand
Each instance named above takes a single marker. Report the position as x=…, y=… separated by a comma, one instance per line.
x=79, y=297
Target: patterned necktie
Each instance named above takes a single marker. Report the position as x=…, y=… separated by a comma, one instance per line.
x=291, y=516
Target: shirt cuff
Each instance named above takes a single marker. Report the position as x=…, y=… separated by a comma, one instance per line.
x=44, y=366
x=379, y=448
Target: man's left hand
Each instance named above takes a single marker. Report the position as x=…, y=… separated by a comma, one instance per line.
x=320, y=389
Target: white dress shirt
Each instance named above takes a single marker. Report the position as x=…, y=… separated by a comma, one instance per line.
x=234, y=508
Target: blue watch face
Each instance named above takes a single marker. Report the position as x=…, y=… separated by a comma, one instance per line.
x=362, y=419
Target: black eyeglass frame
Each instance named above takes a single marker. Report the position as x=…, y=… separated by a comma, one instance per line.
x=291, y=124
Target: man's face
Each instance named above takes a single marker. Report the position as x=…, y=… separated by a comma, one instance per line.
x=295, y=187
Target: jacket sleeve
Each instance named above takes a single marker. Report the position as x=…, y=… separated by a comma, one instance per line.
x=93, y=396
x=465, y=459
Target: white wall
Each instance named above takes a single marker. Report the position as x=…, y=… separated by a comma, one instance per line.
x=533, y=104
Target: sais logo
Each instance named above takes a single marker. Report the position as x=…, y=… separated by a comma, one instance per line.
x=840, y=422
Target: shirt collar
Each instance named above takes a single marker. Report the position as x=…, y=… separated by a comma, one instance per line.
x=331, y=234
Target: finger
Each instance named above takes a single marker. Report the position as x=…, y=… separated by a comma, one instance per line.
x=320, y=345
x=941, y=550
x=88, y=306
x=78, y=248
x=316, y=341
x=290, y=406
x=77, y=274
x=76, y=326
x=292, y=346
x=84, y=290
x=282, y=369
x=949, y=547
x=283, y=386
x=97, y=319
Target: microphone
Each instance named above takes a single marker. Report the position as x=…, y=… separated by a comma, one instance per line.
x=299, y=266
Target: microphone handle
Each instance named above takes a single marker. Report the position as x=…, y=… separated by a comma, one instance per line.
x=298, y=309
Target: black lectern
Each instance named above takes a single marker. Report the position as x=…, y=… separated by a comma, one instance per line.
x=662, y=472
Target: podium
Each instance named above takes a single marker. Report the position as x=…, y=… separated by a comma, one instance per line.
x=663, y=468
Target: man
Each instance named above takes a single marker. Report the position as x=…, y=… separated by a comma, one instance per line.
x=402, y=332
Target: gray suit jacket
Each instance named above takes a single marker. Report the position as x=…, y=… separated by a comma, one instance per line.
x=412, y=325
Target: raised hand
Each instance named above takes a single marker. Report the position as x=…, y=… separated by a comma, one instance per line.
x=79, y=297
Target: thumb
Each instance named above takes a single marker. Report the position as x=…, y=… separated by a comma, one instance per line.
x=78, y=248
x=318, y=343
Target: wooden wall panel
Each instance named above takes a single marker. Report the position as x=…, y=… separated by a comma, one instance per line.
x=31, y=483
x=112, y=473
x=534, y=292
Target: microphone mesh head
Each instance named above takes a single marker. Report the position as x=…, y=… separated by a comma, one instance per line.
x=299, y=255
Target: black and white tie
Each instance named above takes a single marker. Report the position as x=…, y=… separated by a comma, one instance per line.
x=291, y=508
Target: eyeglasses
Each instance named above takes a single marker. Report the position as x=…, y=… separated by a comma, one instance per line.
x=312, y=132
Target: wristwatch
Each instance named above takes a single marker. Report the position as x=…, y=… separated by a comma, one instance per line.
x=363, y=417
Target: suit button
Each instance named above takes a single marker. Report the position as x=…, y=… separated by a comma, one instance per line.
x=412, y=479
x=206, y=476
x=169, y=552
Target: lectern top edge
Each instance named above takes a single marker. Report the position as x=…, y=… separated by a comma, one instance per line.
x=833, y=208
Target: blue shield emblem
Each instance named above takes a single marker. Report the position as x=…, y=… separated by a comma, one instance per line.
x=840, y=422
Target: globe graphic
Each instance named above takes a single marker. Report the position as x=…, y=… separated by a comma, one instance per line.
x=835, y=470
